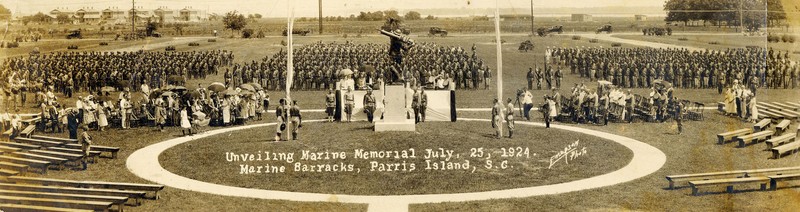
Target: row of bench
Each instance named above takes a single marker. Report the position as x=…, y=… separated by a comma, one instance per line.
x=44, y=194
x=25, y=193
x=778, y=141
x=730, y=178
x=42, y=154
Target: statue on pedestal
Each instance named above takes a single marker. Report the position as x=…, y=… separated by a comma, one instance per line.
x=398, y=47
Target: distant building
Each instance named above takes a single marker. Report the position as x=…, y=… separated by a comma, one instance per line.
x=113, y=16
x=164, y=15
x=581, y=17
x=640, y=17
x=87, y=15
x=191, y=15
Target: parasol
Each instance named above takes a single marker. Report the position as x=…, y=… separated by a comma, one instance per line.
x=108, y=89
x=247, y=87
x=216, y=87
x=155, y=94
x=663, y=83
x=230, y=92
x=178, y=89
x=256, y=86
x=193, y=94
x=246, y=93
x=345, y=72
x=167, y=93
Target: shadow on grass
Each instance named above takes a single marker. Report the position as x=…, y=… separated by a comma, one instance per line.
x=734, y=192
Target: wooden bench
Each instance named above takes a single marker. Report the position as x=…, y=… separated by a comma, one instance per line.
x=786, y=114
x=42, y=165
x=673, y=179
x=22, y=169
x=770, y=106
x=20, y=145
x=780, y=140
x=28, y=131
x=59, y=139
x=68, y=156
x=793, y=105
x=136, y=195
x=21, y=208
x=112, y=150
x=785, y=106
x=92, y=154
x=782, y=126
x=76, y=204
x=31, y=121
x=6, y=172
x=116, y=200
x=53, y=160
x=722, y=137
x=7, y=133
x=6, y=149
x=773, y=179
x=783, y=149
x=755, y=137
x=39, y=142
x=728, y=183
x=771, y=114
x=90, y=184
x=762, y=125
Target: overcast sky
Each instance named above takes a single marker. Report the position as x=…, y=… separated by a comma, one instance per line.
x=279, y=8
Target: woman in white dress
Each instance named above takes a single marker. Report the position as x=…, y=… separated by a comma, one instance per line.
x=185, y=124
x=226, y=111
x=753, y=108
x=102, y=117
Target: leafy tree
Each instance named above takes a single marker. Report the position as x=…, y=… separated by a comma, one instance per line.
x=5, y=13
x=63, y=19
x=150, y=28
x=258, y=16
x=430, y=17
x=413, y=15
x=234, y=21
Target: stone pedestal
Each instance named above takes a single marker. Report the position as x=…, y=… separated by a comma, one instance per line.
x=394, y=115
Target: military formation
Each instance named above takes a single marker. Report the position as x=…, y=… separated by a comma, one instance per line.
x=319, y=66
x=706, y=69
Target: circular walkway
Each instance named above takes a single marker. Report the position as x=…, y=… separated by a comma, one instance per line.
x=646, y=160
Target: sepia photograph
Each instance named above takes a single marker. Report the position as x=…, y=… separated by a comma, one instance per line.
x=399, y=105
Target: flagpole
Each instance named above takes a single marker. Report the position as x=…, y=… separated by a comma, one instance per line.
x=289, y=64
x=499, y=60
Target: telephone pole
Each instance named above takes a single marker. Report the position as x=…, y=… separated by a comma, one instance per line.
x=320, y=17
x=533, y=30
x=741, y=18
x=133, y=17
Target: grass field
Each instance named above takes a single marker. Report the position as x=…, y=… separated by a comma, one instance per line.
x=692, y=152
x=526, y=170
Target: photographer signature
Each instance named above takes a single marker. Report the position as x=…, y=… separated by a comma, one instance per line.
x=571, y=152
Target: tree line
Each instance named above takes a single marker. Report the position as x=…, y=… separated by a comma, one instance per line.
x=755, y=13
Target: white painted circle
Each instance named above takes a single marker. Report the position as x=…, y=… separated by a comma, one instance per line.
x=646, y=160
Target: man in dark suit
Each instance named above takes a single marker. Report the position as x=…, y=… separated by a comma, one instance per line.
x=72, y=123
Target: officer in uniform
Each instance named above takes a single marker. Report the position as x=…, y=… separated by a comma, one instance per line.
x=281, y=115
x=509, y=116
x=330, y=104
x=497, y=120
x=349, y=104
x=369, y=105
x=296, y=119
